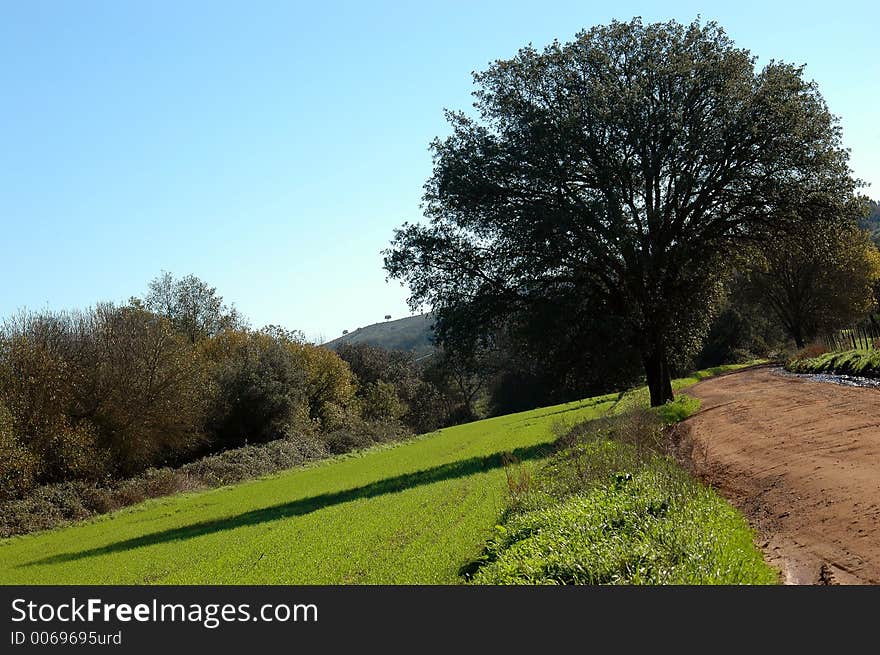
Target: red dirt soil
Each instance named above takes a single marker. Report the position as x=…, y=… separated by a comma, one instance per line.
x=801, y=459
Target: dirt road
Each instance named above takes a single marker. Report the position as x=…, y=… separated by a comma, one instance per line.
x=802, y=460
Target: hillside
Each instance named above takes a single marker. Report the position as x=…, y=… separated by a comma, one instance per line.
x=407, y=514
x=872, y=222
x=410, y=334
x=412, y=513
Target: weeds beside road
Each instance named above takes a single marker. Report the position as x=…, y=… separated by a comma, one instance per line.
x=612, y=506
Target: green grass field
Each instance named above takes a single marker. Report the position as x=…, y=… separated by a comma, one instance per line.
x=411, y=513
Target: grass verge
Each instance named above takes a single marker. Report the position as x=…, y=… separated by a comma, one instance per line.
x=864, y=363
x=612, y=506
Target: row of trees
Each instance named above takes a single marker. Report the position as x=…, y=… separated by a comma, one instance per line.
x=781, y=294
x=604, y=193
x=110, y=391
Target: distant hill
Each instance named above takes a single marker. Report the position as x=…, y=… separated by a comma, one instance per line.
x=872, y=222
x=411, y=334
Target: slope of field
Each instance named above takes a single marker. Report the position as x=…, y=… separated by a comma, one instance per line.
x=411, y=513
x=800, y=459
x=406, y=514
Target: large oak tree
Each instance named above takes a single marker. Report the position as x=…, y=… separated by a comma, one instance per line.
x=617, y=171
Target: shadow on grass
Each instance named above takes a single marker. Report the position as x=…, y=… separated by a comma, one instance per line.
x=302, y=506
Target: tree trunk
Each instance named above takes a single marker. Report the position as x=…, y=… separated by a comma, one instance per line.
x=798, y=334
x=659, y=379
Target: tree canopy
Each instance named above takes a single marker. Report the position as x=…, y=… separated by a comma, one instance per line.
x=818, y=280
x=617, y=171
x=193, y=307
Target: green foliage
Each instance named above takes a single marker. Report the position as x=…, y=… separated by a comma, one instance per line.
x=679, y=409
x=330, y=384
x=653, y=527
x=381, y=403
x=611, y=508
x=713, y=371
x=616, y=172
x=819, y=278
x=743, y=330
x=560, y=351
x=260, y=389
x=865, y=363
x=428, y=407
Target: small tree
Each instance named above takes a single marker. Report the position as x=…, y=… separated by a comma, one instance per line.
x=380, y=402
x=18, y=465
x=463, y=374
x=330, y=384
x=192, y=307
x=261, y=390
x=817, y=280
x=426, y=406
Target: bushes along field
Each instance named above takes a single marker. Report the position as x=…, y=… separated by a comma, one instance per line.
x=102, y=395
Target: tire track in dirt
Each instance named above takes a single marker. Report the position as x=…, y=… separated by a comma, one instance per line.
x=801, y=459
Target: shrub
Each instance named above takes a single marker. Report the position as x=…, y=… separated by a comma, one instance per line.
x=51, y=505
x=381, y=403
x=358, y=434
x=330, y=384
x=260, y=391
x=426, y=406
x=252, y=461
x=428, y=409
x=39, y=392
x=372, y=363
x=109, y=391
x=18, y=466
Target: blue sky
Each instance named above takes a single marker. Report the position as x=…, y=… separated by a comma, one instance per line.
x=271, y=147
